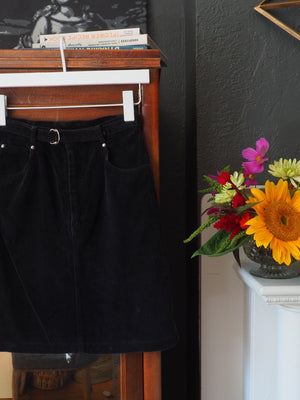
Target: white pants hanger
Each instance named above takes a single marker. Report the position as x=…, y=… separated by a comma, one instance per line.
x=75, y=78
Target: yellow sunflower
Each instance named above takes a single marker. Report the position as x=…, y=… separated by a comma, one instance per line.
x=277, y=223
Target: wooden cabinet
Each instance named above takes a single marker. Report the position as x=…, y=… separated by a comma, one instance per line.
x=140, y=373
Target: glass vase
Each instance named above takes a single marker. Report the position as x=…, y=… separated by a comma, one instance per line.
x=268, y=268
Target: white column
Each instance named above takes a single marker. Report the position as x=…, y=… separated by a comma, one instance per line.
x=272, y=337
x=288, y=353
x=259, y=356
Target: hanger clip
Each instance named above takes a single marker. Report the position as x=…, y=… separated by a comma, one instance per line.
x=128, y=105
x=3, y=112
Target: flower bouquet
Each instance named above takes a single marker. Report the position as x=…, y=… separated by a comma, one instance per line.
x=240, y=214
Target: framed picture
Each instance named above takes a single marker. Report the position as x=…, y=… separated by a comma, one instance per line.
x=22, y=21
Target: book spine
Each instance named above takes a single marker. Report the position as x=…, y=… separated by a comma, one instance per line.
x=141, y=47
x=94, y=35
x=138, y=47
x=123, y=41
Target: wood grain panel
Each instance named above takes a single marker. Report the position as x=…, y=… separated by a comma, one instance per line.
x=38, y=60
x=152, y=376
x=132, y=376
x=150, y=104
x=49, y=96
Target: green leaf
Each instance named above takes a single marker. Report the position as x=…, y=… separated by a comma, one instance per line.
x=212, y=246
x=240, y=236
x=214, y=184
x=241, y=209
x=211, y=220
x=211, y=199
x=224, y=244
x=226, y=169
x=220, y=244
x=207, y=190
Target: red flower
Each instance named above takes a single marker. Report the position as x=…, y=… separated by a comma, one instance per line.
x=230, y=223
x=238, y=200
x=224, y=177
x=244, y=219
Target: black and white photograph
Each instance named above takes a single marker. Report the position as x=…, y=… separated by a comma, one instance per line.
x=22, y=22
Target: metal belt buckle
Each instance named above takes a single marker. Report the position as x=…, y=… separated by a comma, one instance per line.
x=58, y=136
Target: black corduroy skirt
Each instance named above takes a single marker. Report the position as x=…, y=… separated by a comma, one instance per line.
x=81, y=262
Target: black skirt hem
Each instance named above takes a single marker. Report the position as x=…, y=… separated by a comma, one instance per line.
x=91, y=348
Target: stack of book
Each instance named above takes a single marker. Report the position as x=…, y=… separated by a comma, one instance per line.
x=119, y=39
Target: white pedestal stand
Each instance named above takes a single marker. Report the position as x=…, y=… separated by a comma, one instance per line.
x=272, y=340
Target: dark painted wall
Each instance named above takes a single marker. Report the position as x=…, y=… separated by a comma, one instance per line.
x=172, y=26
x=248, y=84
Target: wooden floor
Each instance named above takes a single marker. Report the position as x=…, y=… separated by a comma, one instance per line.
x=70, y=391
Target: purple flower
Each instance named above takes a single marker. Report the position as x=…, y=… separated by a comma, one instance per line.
x=255, y=157
x=214, y=177
x=250, y=181
x=214, y=210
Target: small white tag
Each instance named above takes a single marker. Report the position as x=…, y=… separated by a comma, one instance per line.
x=128, y=105
x=3, y=104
